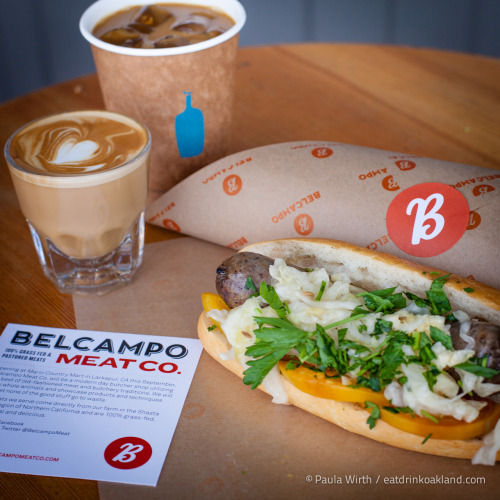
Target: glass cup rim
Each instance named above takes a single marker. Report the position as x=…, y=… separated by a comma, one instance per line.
x=102, y=8
x=15, y=165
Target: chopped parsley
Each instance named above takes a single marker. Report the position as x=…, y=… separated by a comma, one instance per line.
x=429, y=416
x=268, y=293
x=431, y=376
x=250, y=285
x=382, y=326
x=325, y=350
x=374, y=413
x=439, y=336
x=436, y=300
x=399, y=409
x=385, y=301
x=272, y=343
x=427, y=438
x=321, y=291
x=477, y=369
x=347, y=320
x=439, y=303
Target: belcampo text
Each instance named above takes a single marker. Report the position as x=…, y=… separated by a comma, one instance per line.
x=46, y=340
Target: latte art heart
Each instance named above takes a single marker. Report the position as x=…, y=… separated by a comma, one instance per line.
x=77, y=144
x=75, y=152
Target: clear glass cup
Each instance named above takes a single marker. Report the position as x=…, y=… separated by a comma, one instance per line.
x=81, y=179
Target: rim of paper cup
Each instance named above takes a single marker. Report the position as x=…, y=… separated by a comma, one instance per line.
x=74, y=180
x=103, y=8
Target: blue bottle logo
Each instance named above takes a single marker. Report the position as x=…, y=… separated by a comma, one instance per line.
x=190, y=130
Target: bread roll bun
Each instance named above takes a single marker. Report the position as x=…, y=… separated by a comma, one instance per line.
x=370, y=270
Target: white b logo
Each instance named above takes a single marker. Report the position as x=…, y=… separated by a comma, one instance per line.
x=303, y=224
x=128, y=453
x=427, y=219
x=231, y=185
x=422, y=216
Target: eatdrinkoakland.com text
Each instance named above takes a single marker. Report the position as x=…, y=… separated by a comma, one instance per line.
x=356, y=479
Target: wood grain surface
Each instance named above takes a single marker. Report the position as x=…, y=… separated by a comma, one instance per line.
x=437, y=104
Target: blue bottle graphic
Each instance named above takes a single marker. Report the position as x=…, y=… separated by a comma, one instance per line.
x=190, y=130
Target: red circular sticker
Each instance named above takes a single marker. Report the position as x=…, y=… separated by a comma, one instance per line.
x=322, y=152
x=232, y=185
x=303, y=224
x=405, y=164
x=390, y=184
x=474, y=220
x=128, y=453
x=427, y=219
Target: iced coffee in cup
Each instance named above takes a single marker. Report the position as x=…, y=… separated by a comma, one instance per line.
x=81, y=181
x=171, y=66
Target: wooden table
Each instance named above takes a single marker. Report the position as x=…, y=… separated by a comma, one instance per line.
x=432, y=103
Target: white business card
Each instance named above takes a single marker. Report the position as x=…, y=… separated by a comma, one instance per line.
x=91, y=405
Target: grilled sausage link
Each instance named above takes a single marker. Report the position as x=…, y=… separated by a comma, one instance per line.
x=233, y=273
x=486, y=343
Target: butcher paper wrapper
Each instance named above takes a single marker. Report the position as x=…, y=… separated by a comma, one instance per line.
x=438, y=213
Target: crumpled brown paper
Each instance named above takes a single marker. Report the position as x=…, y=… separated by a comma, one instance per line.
x=441, y=214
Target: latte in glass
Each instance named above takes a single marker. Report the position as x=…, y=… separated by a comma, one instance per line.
x=81, y=181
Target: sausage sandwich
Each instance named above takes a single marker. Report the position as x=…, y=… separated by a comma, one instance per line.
x=395, y=351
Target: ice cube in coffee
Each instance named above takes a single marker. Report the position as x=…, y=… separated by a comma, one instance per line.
x=162, y=26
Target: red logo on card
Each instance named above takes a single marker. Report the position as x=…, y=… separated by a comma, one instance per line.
x=303, y=224
x=427, y=219
x=128, y=453
x=232, y=185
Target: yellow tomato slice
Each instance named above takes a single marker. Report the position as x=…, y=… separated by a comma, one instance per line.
x=445, y=427
x=317, y=384
x=212, y=301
